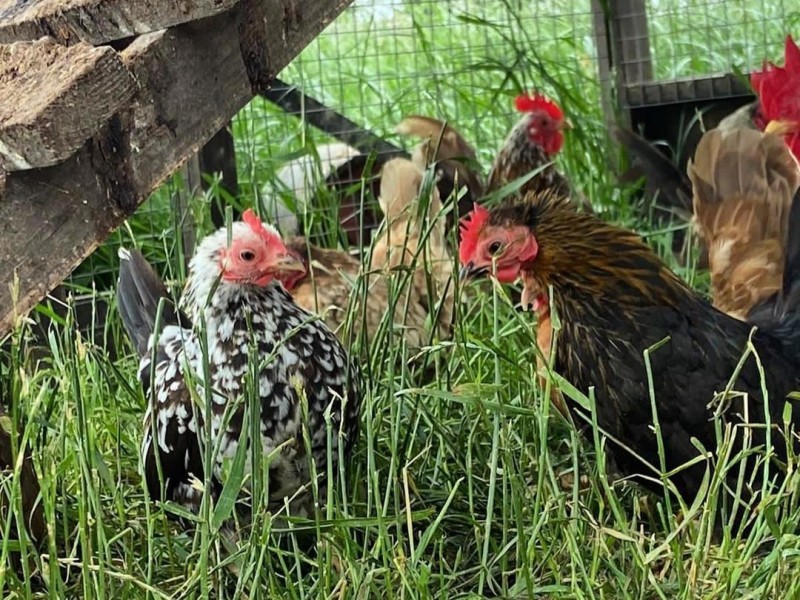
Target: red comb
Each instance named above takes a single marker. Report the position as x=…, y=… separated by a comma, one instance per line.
x=777, y=87
x=256, y=226
x=471, y=226
x=537, y=101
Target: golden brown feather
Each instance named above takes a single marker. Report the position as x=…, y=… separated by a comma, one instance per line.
x=639, y=339
x=443, y=143
x=336, y=286
x=410, y=240
x=743, y=184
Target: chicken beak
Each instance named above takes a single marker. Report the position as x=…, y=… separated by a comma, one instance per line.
x=466, y=271
x=288, y=263
x=470, y=271
x=782, y=127
x=567, y=124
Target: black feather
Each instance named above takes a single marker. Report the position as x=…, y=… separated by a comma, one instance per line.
x=780, y=313
x=665, y=182
x=138, y=295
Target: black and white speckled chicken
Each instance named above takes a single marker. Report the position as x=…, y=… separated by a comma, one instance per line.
x=235, y=296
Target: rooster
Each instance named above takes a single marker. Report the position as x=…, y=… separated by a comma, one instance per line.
x=335, y=286
x=532, y=145
x=235, y=301
x=744, y=182
x=616, y=299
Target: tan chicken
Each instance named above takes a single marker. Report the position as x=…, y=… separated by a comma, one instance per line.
x=743, y=185
x=410, y=241
x=335, y=286
x=457, y=161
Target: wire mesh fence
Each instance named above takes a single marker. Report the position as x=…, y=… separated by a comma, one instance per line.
x=667, y=41
x=456, y=60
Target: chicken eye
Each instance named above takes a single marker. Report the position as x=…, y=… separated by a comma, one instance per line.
x=495, y=248
x=247, y=255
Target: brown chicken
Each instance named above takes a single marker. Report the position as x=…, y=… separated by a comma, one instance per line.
x=776, y=110
x=616, y=299
x=743, y=182
x=533, y=144
x=416, y=243
x=456, y=161
x=335, y=286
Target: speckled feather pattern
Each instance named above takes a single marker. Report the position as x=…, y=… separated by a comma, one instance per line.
x=294, y=351
x=518, y=157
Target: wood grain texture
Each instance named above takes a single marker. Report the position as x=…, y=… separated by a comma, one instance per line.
x=193, y=78
x=53, y=98
x=98, y=21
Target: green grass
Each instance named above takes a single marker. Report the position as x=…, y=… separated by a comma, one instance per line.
x=459, y=487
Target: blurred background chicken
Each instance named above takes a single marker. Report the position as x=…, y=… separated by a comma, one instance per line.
x=412, y=240
x=353, y=179
x=744, y=182
x=456, y=161
x=299, y=179
x=532, y=146
x=776, y=110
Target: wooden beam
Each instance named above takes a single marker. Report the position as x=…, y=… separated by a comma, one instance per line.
x=54, y=98
x=98, y=21
x=278, y=31
x=193, y=79
x=315, y=113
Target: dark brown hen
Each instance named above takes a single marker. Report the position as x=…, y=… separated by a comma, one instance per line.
x=616, y=299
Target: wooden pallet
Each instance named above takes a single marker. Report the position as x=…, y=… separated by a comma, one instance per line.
x=100, y=102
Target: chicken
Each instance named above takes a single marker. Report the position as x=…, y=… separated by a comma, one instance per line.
x=778, y=91
x=238, y=305
x=616, y=299
x=415, y=242
x=744, y=182
x=335, y=287
x=776, y=110
x=532, y=145
x=455, y=158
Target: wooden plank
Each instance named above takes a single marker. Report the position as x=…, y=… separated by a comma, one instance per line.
x=278, y=31
x=98, y=21
x=193, y=79
x=54, y=98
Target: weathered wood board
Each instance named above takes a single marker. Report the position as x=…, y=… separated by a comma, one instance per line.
x=193, y=78
x=98, y=21
x=53, y=98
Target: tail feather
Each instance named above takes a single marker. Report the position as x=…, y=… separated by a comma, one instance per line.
x=670, y=187
x=743, y=183
x=139, y=293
